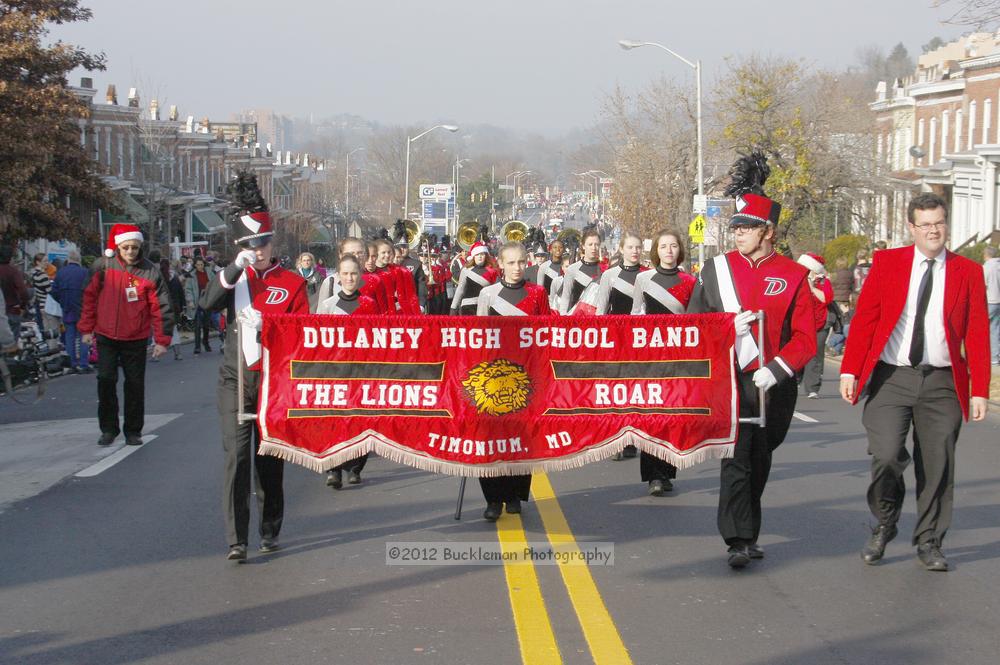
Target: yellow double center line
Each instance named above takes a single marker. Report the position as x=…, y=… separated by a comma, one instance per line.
x=534, y=629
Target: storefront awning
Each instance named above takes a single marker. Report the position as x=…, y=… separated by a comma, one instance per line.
x=132, y=212
x=206, y=222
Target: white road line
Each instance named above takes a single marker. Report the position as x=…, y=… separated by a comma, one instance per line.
x=113, y=458
x=804, y=418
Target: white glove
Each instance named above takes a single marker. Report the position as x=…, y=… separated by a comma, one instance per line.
x=764, y=378
x=742, y=322
x=247, y=257
x=250, y=317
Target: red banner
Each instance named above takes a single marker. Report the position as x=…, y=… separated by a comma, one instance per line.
x=487, y=396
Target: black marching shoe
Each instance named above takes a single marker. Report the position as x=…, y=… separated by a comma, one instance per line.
x=755, y=551
x=268, y=545
x=618, y=457
x=353, y=478
x=655, y=488
x=237, y=553
x=106, y=439
x=875, y=547
x=932, y=557
x=492, y=512
x=630, y=452
x=335, y=479
x=514, y=507
x=739, y=557
x=133, y=439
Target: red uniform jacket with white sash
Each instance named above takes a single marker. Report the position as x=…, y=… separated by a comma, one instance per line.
x=274, y=291
x=966, y=322
x=778, y=286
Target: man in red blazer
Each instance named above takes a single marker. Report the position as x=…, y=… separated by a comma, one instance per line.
x=920, y=307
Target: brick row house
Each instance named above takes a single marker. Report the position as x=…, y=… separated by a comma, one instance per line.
x=937, y=130
x=170, y=175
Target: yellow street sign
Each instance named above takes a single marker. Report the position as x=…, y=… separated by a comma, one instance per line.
x=696, y=230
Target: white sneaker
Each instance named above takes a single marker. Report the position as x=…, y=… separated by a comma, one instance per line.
x=813, y=395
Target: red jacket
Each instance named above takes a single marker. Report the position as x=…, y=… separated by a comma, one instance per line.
x=966, y=322
x=108, y=311
x=822, y=306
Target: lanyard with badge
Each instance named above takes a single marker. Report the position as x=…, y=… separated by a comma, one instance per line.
x=131, y=292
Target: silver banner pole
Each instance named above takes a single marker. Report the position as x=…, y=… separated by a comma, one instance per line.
x=241, y=415
x=761, y=419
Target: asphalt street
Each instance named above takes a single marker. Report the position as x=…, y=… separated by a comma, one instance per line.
x=125, y=562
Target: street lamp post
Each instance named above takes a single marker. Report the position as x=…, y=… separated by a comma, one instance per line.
x=696, y=65
x=347, y=190
x=409, y=140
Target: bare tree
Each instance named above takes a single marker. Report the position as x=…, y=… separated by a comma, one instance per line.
x=978, y=14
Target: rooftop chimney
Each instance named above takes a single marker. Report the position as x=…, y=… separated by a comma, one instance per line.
x=112, y=94
x=173, y=112
x=133, y=98
x=189, y=125
x=154, y=110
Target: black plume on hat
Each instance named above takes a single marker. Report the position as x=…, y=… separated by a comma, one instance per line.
x=244, y=195
x=748, y=174
x=399, y=231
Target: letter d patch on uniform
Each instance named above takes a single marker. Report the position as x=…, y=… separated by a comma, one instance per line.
x=276, y=295
x=775, y=286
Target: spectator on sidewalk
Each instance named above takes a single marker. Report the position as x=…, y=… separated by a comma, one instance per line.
x=41, y=284
x=194, y=286
x=7, y=341
x=15, y=292
x=305, y=266
x=861, y=270
x=843, y=285
x=176, y=291
x=822, y=293
x=67, y=289
x=991, y=268
x=125, y=300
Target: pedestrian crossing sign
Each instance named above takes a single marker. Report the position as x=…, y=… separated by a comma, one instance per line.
x=696, y=230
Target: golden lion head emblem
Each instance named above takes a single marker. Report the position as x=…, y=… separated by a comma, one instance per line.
x=498, y=387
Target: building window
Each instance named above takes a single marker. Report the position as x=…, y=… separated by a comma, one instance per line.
x=959, y=116
x=945, y=124
x=930, y=151
x=920, y=138
x=987, y=119
x=972, y=126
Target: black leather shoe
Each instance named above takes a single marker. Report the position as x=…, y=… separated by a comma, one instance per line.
x=618, y=457
x=667, y=485
x=755, y=551
x=655, y=488
x=269, y=545
x=629, y=452
x=237, y=553
x=335, y=479
x=133, y=439
x=739, y=557
x=492, y=512
x=106, y=439
x=353, y=478
x=514, y=507
x=875, y=547
x=931, y=556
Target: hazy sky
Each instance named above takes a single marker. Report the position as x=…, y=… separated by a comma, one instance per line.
x=543, y=64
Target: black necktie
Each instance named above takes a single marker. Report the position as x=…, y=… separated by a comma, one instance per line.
x=923, y=298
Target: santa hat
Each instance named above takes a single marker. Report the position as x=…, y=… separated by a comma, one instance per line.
x=249, y=219
x=747, y=178
x=119, y=234
x=477, y=248
x=813, y=262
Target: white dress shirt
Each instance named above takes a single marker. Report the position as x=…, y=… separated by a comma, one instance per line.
x=897, y=349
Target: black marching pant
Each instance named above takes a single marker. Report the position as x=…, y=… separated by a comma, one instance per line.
x=925, y=397
x=240, y=442
x=812, y=375
x=131, y=357
x=744, y=476
x=506, y=488
x=356, y=465
x=653, y=468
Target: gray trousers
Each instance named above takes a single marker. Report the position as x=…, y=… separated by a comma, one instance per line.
x=925, y=397
x=239, y=443
x=812, y=375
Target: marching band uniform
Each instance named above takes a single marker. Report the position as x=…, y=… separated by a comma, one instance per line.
x=660, y=291
x=372, y=287
x=504, y=299
x=577, y=278
x=471, y=282
x=416, y=269
x=356, y=304
x=244, y=290
x=400, y=286
x=533, y=273
x=778, y=286
x=437, y=302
